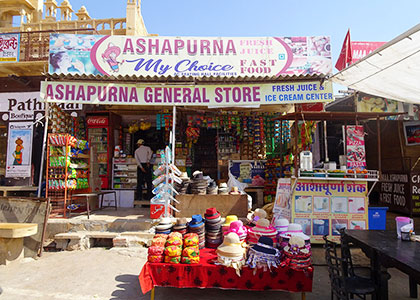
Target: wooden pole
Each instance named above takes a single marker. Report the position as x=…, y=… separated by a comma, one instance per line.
x=44, y=227
x=44, y=147
x=378, y=129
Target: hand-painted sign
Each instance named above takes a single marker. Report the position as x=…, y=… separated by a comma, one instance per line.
x=19, y=150
x=9, y=47
x=199, y=95
x=356, y=154
x=189, y=56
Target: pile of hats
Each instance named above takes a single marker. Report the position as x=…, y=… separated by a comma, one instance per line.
x=212, y=188
x=164, y=226
x=213, y=228
x=182, y=188
x=196, y=225
x=294, y=229
x=229, y=219
x=157, y=248
x=191, y=253
x=262, y=228
x=263, y=255
x=231, y=253
x=223, y=189
x=198, y=184
x=238, y=228
x=180, y=226
x=253, y=218
x=173, y=248
x=297, y=255
x=281, y=226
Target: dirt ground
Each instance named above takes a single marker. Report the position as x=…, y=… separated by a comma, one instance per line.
x=101, y=274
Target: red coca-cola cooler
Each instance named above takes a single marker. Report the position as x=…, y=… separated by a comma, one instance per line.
x=100, y=127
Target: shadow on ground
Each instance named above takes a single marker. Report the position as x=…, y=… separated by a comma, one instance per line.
x=128, y=287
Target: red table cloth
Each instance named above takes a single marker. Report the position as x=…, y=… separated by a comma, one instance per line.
x=208, y=275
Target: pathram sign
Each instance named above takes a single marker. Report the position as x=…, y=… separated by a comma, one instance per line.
x=199, y=95
x=189, y=56
x=23, y=106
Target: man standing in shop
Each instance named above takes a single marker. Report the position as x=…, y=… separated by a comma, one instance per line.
x=143, y=155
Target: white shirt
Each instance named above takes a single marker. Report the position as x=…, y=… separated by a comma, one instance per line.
x=143, y=155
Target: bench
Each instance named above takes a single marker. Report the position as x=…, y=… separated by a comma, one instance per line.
x=11, y=240
x=100, y=195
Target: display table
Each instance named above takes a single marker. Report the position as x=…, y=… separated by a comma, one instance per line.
x=207, y=275
x=225, y=204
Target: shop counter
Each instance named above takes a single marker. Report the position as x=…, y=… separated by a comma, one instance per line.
x=208, y=275
x=197, y=204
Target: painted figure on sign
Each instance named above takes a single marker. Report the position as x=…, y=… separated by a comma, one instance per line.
x=110, y=56
x=18, y=152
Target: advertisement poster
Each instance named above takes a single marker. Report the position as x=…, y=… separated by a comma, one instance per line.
x=356, y=154
x=324, y=207
x=361, y=49
x=9, y=47
x=19, y=149
x=251, y=172
x=189, y=56
x=412, y=133
x=281, y=207
x=187, y=95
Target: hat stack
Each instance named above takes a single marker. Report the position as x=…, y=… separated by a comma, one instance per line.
x=164, y=226
x=281, y=226
x=213, y=228
x=298, y=256
x=263, y=254
x=294, y=229
x=212, y=189
x=231, y=253
x=156, y=250
x=238, y=228
x=198, y=184
x=196, y=225
x=180, y=226
x=182, y=187
x=259, y=213
x=229, y=219
x=223, y=189
x=262, y=228
x=173, y=249
x=191, y=253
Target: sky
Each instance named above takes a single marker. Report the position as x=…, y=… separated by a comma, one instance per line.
x=368, y=20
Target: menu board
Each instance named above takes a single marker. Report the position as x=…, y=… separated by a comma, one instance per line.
x=323, y=207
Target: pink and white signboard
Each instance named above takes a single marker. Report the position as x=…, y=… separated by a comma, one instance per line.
x=361, y=49
x=356, y=154
x=189, y=56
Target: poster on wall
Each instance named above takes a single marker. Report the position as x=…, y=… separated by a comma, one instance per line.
x=324, y=207
x=189, y=56
x=9, y=47
x=251, y=172
x=412, y=133
x=19, y=149
x=356, y=154
x=281, y=207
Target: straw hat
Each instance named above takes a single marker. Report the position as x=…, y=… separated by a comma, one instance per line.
x=294, y=229
x=231, y=246
x=140, y=142
x=229, y=219
x=281, y=224
x=211, y=213
x=184, y=176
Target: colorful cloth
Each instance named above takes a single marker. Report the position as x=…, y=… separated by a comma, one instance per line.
x=155, y=250
x=173, y=251
x=172, y=259
x=155, y=258
x=191, y=252
x=190, y=260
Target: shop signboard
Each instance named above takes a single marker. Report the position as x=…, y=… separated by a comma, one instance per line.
x=186, y=95
x=282, y=203
x=361, y=49
x=323, y=207
x=251, y=172
x=412, y=133
x=415, y=192
x=189, y=56
x=394, y=191
x=27, y=106
x=9, y=47
x=19, y=149
x=356, y=153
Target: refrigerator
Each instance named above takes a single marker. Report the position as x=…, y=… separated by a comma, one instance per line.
x=100, y=128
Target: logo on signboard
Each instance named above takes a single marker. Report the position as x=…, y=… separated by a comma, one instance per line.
x=97, y=121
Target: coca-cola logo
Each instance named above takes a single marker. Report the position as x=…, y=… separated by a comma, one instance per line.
x=97, y=121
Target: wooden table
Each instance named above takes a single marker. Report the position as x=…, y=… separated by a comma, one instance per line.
x=100, y=195
x=7, y=189
x=386, y=251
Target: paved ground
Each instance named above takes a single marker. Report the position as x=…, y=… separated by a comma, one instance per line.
x=113, y=274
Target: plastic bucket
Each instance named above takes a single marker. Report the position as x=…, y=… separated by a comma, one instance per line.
x=401, y=221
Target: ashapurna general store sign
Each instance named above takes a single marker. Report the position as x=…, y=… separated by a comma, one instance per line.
x=199, y=95
x=189, y=56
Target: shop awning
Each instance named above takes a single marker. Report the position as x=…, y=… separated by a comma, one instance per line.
x=334, y=116
x=392, y=71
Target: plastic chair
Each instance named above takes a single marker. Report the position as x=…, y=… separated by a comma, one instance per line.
x=343, y=285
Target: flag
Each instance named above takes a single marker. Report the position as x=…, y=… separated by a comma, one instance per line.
x=345, y=54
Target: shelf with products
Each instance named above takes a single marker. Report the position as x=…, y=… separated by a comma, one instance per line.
x=124, y=173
